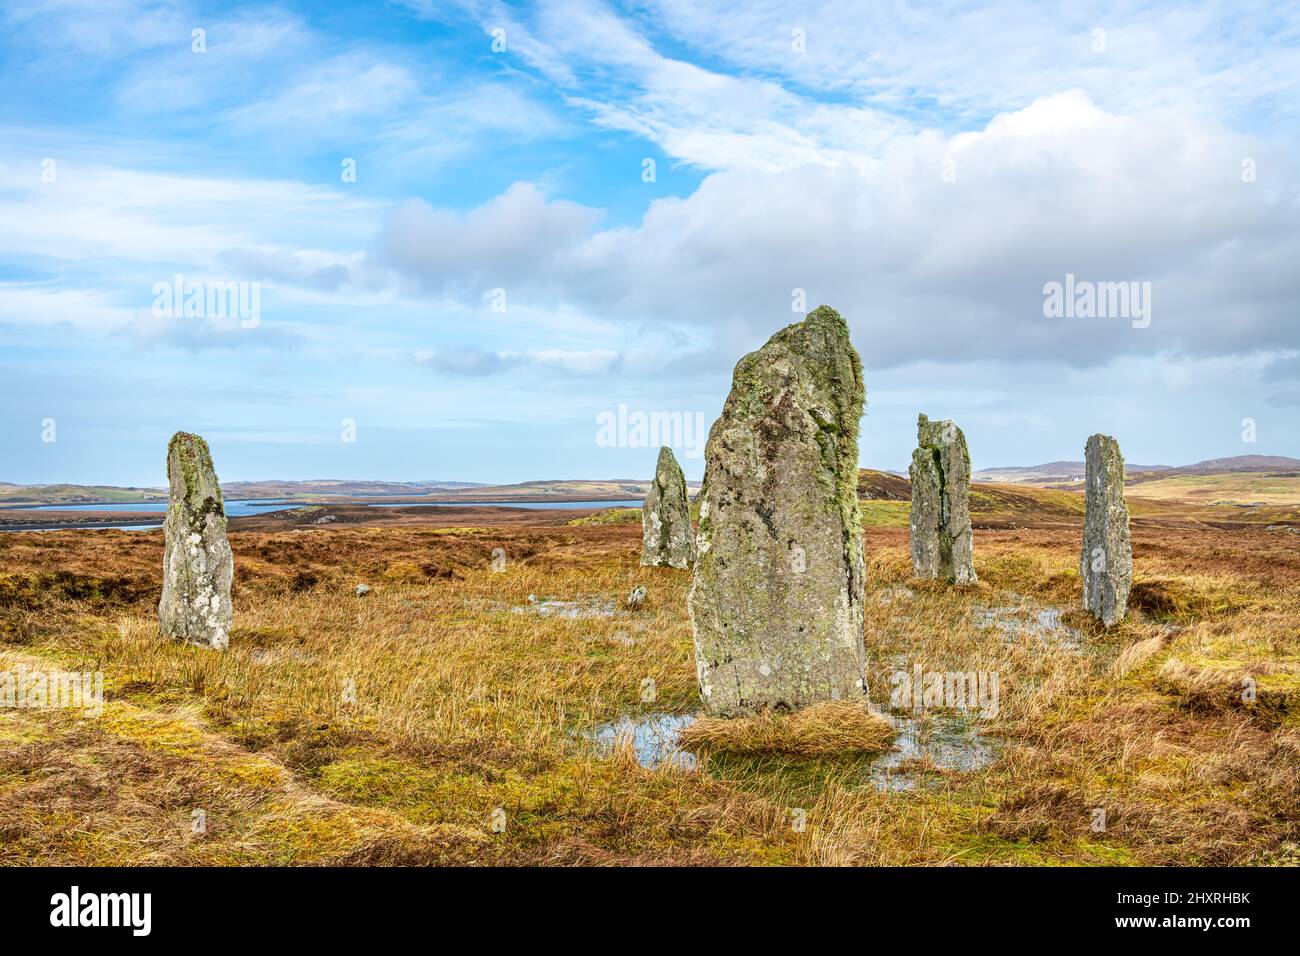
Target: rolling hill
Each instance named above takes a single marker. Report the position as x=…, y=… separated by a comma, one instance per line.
x=1062, y=472
x=333, y=487
x=19, y=495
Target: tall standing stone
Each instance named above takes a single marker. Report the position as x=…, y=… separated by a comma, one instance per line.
x=1106, y=561
x=197, y=561
x=666, y=533
x=776, y=600
x=942, y=546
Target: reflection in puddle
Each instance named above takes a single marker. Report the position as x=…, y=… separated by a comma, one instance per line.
x=931, y=741
x=1016, y=623
x=654, y=738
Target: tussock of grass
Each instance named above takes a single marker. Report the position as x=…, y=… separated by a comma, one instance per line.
x=1137, y=654
x=1270, y=688
x=608, y=516
x=822, y=730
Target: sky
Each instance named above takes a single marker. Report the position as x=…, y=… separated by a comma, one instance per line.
x=449, y=240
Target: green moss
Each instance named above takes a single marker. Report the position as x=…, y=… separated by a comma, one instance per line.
x=985, y=848
x=608, y=516
x=189, y=453
x=885, y=514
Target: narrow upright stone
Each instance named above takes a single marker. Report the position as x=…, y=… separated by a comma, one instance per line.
x=941, y=533
x=776, y=599
x=666, y=533
x=197, y=561
x=1106, y=561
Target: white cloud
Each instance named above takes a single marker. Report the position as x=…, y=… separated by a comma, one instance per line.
x=923, y=266
x=973, y=60
x=606, y=68
x=491, y=246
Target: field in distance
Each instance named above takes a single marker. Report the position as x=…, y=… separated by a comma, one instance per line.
x=1229, y=500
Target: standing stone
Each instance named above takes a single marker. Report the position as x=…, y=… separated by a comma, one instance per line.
x=666, y=533
x=941, y=533
x=197, y=561
x=776, y=599
x=1106, y=561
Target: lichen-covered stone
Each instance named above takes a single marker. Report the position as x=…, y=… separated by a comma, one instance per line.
x=776, y=598
x=666, y=533
x=942, y=547
x=1106, y=560
x=197, y=561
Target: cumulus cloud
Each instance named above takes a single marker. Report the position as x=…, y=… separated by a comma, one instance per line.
x=940, y=250
x=517, y=234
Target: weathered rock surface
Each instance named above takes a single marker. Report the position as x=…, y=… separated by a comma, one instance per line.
x=667, y=536
x=1106, y=560
x=197, y=561
x=942, y=546
x=776, y=598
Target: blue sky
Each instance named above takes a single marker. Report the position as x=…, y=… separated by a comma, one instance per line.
x=501, y=273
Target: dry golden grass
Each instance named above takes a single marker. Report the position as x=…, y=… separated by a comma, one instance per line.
x=388, y=729
x=822, y=730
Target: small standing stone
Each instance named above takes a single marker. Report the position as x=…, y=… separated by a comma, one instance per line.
x=666, y=533
x=637, y=597
x=776, y=598
x=363, y=590
x=942, y=546
x=1106, y=561
x=197, y=562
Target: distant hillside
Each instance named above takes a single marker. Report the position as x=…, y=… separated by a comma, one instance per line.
x=318, y=487
x=1048, y=472
x=1226, y=497
x=882, y=486
x=1236, y=488
x=1220, y=466
x=1067, y=471
x=74, y=494
x=563, y=489
x=11, y=494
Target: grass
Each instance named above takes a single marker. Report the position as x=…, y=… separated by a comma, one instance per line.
x=390, y=729
x=609, y=516
x=822, y=730
x=1236, y=488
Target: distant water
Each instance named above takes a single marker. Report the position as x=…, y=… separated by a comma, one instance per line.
x=254, y=506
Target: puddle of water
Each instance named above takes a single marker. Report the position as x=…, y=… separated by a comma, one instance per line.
x=654, y=738
x=949, y=742
x=1017, y=623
